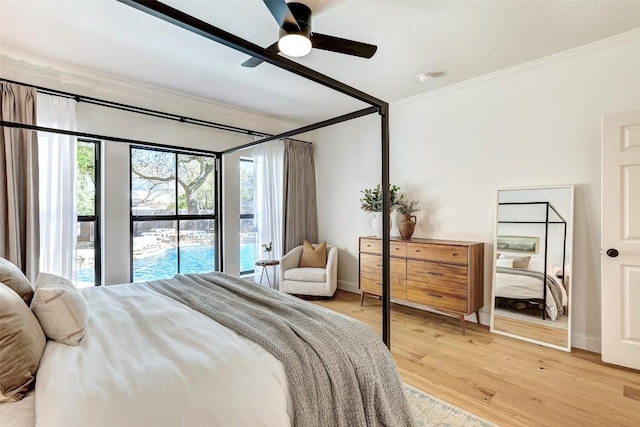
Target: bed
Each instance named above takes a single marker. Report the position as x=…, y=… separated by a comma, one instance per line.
x=521, y=288
x=212, y=349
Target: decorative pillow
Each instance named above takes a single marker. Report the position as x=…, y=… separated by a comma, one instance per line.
x=22, y=343
x=506, y=263
x=520, y=262
x=15, y=279
x=314, y=257
x=61, y=309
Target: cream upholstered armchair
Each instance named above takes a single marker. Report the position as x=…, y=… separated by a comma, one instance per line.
x=309, y=280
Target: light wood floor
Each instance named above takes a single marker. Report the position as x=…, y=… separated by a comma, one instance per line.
x=503, y=380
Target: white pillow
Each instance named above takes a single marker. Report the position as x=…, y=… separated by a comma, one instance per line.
x=506, y=263
x=60, y=308
x=537, y=264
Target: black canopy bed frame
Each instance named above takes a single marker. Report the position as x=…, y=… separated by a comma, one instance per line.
x=549, y=210
x=218, y=35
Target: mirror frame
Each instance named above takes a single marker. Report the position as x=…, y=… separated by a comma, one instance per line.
x=568, y=265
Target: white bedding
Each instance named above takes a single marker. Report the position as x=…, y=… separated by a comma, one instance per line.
x=526, y=287
x=147, y=360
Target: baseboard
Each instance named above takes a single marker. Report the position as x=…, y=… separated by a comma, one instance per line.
x=585, y=342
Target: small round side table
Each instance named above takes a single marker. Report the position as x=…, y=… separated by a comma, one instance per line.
x=264, y=263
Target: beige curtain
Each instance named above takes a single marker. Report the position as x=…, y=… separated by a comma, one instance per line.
x=19, y=209
x=300, y=219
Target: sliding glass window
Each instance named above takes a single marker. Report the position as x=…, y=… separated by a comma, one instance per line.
x=248, y=230
x=173, y=220
x=88, y=208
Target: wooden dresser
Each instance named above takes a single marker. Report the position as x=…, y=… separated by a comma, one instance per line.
x=443, y=274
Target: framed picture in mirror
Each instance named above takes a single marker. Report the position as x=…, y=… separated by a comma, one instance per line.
x=523, y=244
x=531, y=290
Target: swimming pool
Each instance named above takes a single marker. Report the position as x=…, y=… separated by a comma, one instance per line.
x=193, y=259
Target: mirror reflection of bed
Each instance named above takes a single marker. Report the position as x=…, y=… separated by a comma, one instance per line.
x=531, y=291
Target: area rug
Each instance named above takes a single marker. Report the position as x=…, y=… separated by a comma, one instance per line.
x=431, y=411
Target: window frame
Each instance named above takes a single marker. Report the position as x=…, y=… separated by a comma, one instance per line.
x=247, y=216
x=97, y=209
x=177, y=217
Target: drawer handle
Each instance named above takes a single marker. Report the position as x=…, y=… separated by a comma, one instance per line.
x=378, y=265
x=435, y=295
x=378, y=283
x=434, y=273
x=417, y=250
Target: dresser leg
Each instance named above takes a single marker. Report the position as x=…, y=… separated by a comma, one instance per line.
x=361, y=298
x=462, y=324
x=478, y=316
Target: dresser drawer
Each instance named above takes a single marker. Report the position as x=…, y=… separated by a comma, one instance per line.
x=398, y=249
x=373, y=246
x=437, y=273
x=443, y=253
x=452, y=298
x=372, y=266
x=373, y=285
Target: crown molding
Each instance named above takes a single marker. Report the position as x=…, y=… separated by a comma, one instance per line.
x=593, y=51
x=40, y=71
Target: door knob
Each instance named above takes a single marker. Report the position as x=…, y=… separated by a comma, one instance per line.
x=612, y=253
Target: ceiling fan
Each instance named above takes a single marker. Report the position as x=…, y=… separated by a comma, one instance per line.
x=297, y=39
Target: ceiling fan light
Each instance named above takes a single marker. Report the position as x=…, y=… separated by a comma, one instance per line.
x=294, y=45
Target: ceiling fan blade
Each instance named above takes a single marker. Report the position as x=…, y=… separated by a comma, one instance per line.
x=280, y=11
x=348, y=47
x=254, y=62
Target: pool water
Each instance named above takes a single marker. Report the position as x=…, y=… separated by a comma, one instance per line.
x=193, y=259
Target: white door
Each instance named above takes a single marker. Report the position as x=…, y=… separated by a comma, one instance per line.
x=621, y=239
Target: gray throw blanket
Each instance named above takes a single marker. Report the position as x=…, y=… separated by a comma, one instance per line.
x=339, y=371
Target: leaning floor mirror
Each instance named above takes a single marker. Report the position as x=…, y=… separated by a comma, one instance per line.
x=532, y=276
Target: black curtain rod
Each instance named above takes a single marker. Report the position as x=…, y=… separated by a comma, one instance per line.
x=107, y=138
x=145, y=111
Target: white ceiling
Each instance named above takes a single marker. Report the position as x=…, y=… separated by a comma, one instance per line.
x=458, y=40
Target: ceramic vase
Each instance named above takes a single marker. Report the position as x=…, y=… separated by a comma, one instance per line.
x=377, y=224
x=407, y=225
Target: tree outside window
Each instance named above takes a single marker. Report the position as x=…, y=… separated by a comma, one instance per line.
x=173, y=213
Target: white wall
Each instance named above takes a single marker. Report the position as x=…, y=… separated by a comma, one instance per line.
x=533, y=125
